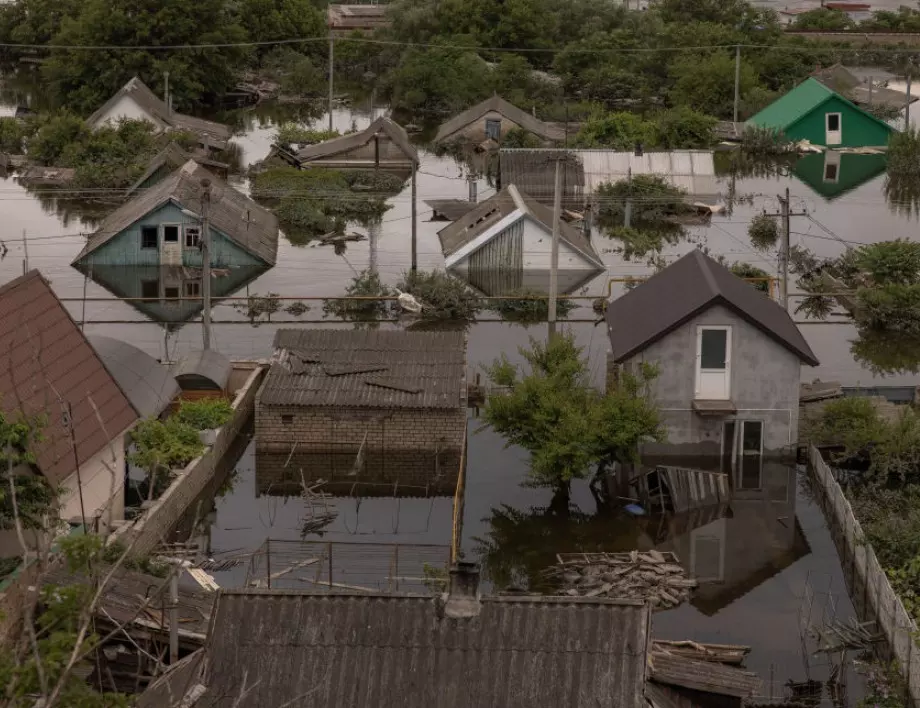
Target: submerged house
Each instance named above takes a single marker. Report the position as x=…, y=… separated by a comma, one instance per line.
x=863, y=93
x=135, y=101
x=341, y=393
x=383, y=145
x=49, y=369
x=162, y=227
x=505, y=244
x=729, y=361
x=491, y=120
x=813, y=112
x=459, y=650
x=171, y=158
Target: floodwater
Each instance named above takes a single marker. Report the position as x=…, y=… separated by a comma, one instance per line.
x=759, y=591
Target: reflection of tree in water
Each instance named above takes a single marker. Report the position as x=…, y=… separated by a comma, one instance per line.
x=887, y=352
x=903, y=195
x=520, y=545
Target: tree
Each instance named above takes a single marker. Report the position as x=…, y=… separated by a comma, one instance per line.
x=823, y=18
x=84, y=79
x=618, y=131
x=267, y=20
x=569, y=427
x=437, y=80
x=683, y=128
x=707, y=83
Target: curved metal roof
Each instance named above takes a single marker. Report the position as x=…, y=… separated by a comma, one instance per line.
x=202, y=370
x=145, y=381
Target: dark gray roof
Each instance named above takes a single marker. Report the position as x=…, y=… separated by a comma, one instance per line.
x=402, y=652
x=172, y=156
x=496, y=104
x=390, y=128
x=204, y=366
x=145, y=381
x=366, y=368
x=449, y=209
x=250, y=226
x=179, y=681
x=682, y=290
x=486, y=215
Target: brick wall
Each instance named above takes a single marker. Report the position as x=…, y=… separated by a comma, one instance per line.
x=343, y=430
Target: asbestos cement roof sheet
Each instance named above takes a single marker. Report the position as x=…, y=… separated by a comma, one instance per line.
x=145, y=381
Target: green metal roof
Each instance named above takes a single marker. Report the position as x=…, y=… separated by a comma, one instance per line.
x=798, y=103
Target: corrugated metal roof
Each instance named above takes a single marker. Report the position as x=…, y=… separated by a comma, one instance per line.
x=366, y=368
x=250, y=226
x=390, y=128
x=686, y=287
x=207, y=364
x=402, y=652
x=44, y=356
x=532, y=171
x=496, y=104
x=793, y=105
x=145, y=381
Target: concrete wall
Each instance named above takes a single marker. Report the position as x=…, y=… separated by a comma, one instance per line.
x=102, y=481
x=156, y=522
x=126, y=108
x=343, y=430
x=764, y=386
x=125, y=249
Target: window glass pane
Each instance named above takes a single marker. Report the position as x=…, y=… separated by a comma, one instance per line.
x=751, y=458
x=150, y=288
x=192, y=236
x=493, y=128
x=171, y=233
x=713, y=348
x=171, y=293
x=830, y=172
x=753, y=432
x=728, y=441
x=833, y=121
x=148, y=236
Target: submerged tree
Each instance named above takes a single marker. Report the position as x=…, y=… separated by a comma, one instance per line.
x=569, y=427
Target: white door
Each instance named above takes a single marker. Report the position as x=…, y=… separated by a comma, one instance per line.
x=713, y=363
x=171, y=247
x=833, y=123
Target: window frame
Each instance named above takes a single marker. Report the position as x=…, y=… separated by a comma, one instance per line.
x=192, y=288
x=491, y=122
x=698, y=368
x=189, y=230
x=156, y=288
x=145, y=231
x=735, y=453
x=178, y=228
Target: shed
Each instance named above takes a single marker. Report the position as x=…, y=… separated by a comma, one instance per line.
x=511, y=231
x=136, y=101
x=384, y=145
x=491, y=120
x=267, y=648
x=349, y=18
x=162, y=226
x=813, y=112
x=341, y=390
x=202, y=370
x=533, y=171
x=147, y=383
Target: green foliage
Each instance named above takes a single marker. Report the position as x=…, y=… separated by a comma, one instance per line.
x=297, y=75
x=639, y=242
x=206, y=413
x=618, y=131
x=552, y=411
x=707, y=84
x=757, y=140
x=35, y=500
x=748, y=271
x=160, y=446
x=9, y=565
x=255, y=305
x=527, y=306
x=763, y=232
x=436, y=80
x=267, y=20
x=683, y=128
x=520, y=138
x=852, y=422
x=823, y=18
x=904, y=153
x=12, y=136
x=886, y=687
x=290, y=134
x=652, y=200
x=366, y=284
x=904, y=19
x=890, y=262
x=443, y=297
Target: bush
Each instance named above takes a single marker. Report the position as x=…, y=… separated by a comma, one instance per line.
x=205, y=414
x=12, y=136
x=757, y=140
x=366, y=284
x=683, y=128
x=618, y=131
x=443, y=297
x=529, y=306
x=161, y=446
x=904, y=153
x=746, y=270
x=520, y=138
x=290, y=134
x=763, y=232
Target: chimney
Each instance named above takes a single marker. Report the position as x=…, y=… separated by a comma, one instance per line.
x=638, y=149
x=462, y=599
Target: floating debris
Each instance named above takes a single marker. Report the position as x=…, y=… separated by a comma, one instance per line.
x=837, y=636
x=654, y=576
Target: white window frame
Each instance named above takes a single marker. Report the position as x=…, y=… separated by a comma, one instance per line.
x=827, y=130
x=832, y=159
x=191, y=228
x=699, y=358
x=736, y=463
x=714, y=531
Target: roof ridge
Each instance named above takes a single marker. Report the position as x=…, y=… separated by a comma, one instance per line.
x=21, y=280
x=704, y=262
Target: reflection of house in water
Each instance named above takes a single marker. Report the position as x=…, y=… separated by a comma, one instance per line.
x=505, y=243
x=734, y=548
x=161, y=287
x=833, y=173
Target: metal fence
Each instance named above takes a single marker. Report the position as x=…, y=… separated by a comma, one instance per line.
x=339, y=566
x=871, y=593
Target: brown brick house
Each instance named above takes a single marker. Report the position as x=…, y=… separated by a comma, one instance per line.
x=332, y=391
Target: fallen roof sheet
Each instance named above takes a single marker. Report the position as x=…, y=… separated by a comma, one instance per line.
x=671, y=669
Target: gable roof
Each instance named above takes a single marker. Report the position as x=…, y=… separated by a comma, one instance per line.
x=351, y=651
x=499, y=105
x=174, y=157
x=685, y=288
x=44, y=360
x=250, y=226
x=138, y=91
x=145, y=381
x=840, y=79
x=366, y=368
x=488, y=220
x=390, y=128
x=790, y=108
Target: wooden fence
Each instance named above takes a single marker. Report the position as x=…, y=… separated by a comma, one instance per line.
x=871, y=593
x=457, y=522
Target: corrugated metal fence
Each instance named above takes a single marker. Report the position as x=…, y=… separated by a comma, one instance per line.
x=872, y=594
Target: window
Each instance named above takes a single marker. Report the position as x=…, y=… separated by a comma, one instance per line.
x=493, y=129
x=728, y=446
x=833, y=122
x=171, y=293
x=287, y=420
x=192, y=288
x=830, y=172
x=192, y=237
x=713, y=348
x=150, y=288
x=707, y=559
x=171, y=234
x=751, y=454
x=149, y=237
x=713, y=363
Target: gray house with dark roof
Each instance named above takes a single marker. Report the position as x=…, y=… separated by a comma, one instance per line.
x=491, y=120
x=383, y=145
x=729, y=362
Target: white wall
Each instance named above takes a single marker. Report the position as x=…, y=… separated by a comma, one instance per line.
x=538, y=245
x=126, y=107
x=98, y=487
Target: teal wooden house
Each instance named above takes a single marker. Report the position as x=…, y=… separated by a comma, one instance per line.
x=811, y=111
x=161, y=226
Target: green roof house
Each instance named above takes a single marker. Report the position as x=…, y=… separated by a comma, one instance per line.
x=811, y=111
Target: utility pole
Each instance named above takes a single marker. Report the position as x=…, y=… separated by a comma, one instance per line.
x=737, y=83
x=331, y=65
x=25, y=250
x=907, y=105
x=414, y=219
x=784, y=253
x=174, y=617
x=206, y=262
x=166, y=91
x=554, y=255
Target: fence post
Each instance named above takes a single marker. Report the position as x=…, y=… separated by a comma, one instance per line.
x=268, y=562
x=330, y=565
